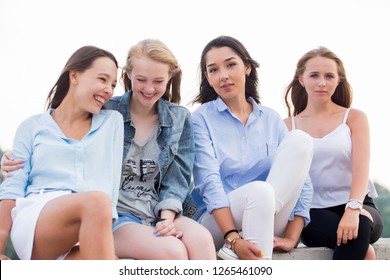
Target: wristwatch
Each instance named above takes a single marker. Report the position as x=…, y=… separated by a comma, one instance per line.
x=230, y=241
x=355, y=205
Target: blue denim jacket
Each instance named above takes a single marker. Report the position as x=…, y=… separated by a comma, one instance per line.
x=175, y=138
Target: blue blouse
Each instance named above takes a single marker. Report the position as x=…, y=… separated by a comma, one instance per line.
x=54, y=162
x=230, y=155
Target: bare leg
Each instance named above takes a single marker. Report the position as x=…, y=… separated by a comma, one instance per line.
x=196, y=238
x=82, y=217
x=370, y=253
x=139, y=242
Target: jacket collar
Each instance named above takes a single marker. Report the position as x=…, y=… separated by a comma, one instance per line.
x=164, y=114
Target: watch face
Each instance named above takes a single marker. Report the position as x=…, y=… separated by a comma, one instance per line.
x=354, y=204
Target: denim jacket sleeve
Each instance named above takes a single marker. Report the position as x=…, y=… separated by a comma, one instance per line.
x=176, y=172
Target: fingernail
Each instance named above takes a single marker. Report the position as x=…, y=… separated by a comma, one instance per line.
x=261, y=254
x=157, y=234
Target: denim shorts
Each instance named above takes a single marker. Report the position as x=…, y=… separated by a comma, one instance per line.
x=123, y=219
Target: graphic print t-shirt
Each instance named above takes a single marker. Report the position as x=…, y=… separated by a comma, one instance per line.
x=138, y=193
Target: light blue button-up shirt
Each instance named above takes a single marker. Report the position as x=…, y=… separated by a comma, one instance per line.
x=230, y=155
x=54, y=162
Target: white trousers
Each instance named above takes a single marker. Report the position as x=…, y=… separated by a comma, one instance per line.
x=262, y=209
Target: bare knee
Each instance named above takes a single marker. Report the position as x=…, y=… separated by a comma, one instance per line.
x=201, y=237
x=199, y=243
x=175, y=252
x=97, y=205
x=204, y=237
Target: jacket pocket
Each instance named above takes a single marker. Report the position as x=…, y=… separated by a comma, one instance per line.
x=190, y=208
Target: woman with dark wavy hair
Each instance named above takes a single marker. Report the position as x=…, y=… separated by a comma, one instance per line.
x=249, y=171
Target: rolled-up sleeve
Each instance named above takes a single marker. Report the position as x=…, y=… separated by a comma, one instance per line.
x=302, y=207
x=207, y=177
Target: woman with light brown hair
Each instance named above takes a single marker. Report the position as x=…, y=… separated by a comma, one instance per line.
x=343, y=215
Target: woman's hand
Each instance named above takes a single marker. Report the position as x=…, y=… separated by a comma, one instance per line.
x=291, y=236
x=348, y=226
x=246, y=250
x=167, y=227
x=8, y=164
x=284, y=244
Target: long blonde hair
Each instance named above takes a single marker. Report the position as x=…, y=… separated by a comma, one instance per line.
x=159, y=52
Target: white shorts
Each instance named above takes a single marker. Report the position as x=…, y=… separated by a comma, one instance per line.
x=24, y=219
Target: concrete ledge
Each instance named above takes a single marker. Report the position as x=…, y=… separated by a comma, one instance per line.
x=382, y=249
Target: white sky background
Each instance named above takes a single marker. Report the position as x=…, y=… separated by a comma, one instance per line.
x=37, y=37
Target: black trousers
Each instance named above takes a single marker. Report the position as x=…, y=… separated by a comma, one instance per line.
x=321, y=231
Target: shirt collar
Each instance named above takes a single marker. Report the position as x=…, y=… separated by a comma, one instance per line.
x=97, y=119
x=221, y=106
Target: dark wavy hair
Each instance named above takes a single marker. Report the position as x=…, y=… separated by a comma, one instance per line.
x=79, y=61
x=206, y=92
x=296, y=97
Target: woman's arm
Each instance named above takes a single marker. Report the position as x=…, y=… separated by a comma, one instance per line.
x=176, y=181
x=208, y=183
x=292, y=235
x=5, y=224
x=360, y=136
x=299, y=218
x=22, y=150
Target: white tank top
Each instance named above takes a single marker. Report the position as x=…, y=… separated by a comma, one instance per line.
x=331, y=168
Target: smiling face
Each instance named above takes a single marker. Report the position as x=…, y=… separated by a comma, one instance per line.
x=149, y=80
x=95, y=86
x=320, y=77
x=226, y=72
